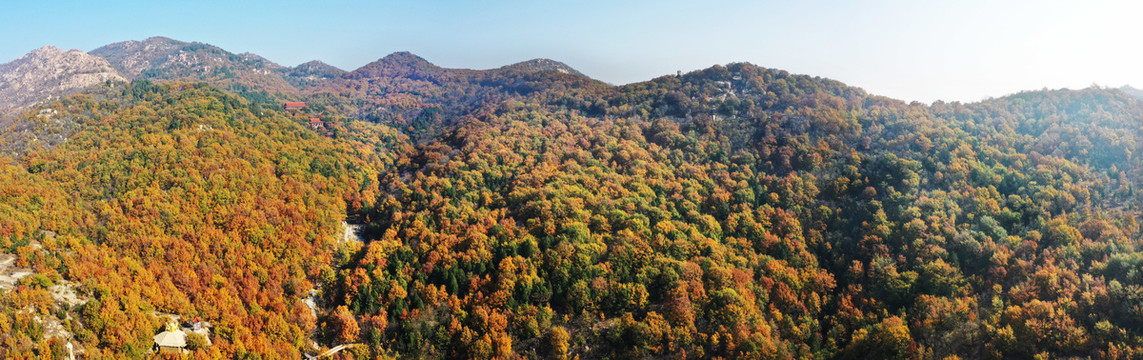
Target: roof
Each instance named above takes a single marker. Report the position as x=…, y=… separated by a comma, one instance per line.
x=176, y=338
x=295, y=104
x=315, y=121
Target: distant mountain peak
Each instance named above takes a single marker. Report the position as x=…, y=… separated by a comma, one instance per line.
x=149, y=43
x=406, y=59
x=160, y=39
x=403, y=55
x=1134, y=92
x=315, y=69
x=46, y=49
x=542, y=64
x=161, y=58
x=398, y=64
x=316, y=64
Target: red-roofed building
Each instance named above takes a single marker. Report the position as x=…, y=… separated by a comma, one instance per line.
x=295, y=105
x=316, y=123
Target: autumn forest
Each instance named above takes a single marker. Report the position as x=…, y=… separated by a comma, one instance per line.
x=532, y=212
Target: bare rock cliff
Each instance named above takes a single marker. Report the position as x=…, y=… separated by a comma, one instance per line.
x=49, y=72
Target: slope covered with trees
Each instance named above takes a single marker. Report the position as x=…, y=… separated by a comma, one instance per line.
x=746, y=212
x=181, y=200
x=733, y=212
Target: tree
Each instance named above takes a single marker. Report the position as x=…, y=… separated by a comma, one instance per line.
x=196, y=341
x=344, y=325
x=557, y=342
x=888, y=339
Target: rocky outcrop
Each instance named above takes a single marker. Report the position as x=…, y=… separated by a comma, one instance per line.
x=49, y=72
x=313, y=74
x=399, y=64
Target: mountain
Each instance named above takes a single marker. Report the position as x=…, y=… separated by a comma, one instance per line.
x=313, y=73
x=160, y=58
x=49, y=72
x=400, y=89
x=165, y=58
x=1137, y=93
x=398, y=65
x=736, y=211
x=411, y=94
x=317, y=69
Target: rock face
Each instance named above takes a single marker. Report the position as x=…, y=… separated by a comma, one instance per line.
x=49, y=72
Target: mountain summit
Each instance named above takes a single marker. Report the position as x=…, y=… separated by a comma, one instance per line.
x=541, y=64
x=398, y=64
x=317, y=69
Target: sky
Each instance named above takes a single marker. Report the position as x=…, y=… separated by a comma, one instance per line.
x=965, y=50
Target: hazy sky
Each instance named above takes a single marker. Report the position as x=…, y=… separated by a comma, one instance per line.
x=962, y=50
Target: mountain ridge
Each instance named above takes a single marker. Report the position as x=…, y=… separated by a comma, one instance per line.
x=163, y=58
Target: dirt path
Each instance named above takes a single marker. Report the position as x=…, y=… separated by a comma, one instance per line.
x=351, y=231
x=335, y=349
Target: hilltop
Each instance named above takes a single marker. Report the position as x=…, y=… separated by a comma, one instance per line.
x=536, y=65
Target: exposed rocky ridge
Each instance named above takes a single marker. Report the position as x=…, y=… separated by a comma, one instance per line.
x=164, y=58
x=160, y=58
x=47, y=72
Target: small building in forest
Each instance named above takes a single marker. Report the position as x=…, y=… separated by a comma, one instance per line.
x=172, y=341
x=316, y=124
x=294, y=105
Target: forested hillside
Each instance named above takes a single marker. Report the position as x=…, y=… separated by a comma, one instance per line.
x=532, y=212
x=178, y=200
x=746, y=212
